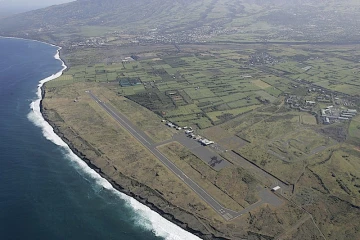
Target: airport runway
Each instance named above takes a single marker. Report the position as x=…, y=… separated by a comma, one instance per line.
x=228, y=214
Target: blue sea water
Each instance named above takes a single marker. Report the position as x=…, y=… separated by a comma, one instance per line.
x=46, y=192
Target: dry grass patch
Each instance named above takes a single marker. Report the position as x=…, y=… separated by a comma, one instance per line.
x=308, y=119
x=232, y=186
x=260, y=84
x=101, y=139
x=341, y=174
x=143, y=118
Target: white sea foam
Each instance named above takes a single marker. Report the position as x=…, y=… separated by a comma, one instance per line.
x=148, y=219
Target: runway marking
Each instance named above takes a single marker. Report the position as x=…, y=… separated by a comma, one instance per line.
x=109, y=109
x=119, y=120
x=117, y=117
x=226, y=213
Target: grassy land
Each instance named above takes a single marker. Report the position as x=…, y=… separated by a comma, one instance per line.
x=354, y=131
x=113, y=149
x=122, y=158
x=327, y=189
x=242, y=107
x=232, y=93
x=230, y=185
x=340, y=174
x=206, y=88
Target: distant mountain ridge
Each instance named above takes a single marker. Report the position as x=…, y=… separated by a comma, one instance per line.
x=90, y=12
x=299, y=20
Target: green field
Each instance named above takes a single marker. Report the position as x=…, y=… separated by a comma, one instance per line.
x=206, y=88
x=236, y=94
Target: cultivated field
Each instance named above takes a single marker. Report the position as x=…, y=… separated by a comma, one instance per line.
x=237, y=97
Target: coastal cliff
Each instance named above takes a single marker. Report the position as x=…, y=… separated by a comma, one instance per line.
x=150, y=197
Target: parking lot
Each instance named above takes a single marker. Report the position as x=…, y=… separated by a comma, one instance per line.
x=205, y=153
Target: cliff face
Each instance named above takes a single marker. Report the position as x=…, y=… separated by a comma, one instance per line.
x=150, y=197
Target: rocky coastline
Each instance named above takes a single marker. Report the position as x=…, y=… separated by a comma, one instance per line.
x=181, y=217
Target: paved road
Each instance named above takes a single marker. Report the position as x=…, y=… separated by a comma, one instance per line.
x=265, y=195
x=228, y=214
x=271, y=180
x=210, y=157
x=206, y=154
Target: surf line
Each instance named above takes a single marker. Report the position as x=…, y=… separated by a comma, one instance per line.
x=149, y=219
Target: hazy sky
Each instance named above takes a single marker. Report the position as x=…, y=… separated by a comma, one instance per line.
x=32, y=2
x=13, y=6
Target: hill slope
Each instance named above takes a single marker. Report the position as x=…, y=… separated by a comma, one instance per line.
x=252, y=20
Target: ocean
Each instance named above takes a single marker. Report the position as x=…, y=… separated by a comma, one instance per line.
x=47, y=192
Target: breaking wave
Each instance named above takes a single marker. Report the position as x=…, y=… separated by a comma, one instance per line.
x=147, y=219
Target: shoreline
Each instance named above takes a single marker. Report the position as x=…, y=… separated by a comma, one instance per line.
x=33, y=40
x=64, y=63
x=37, y=105
x=143, y=200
